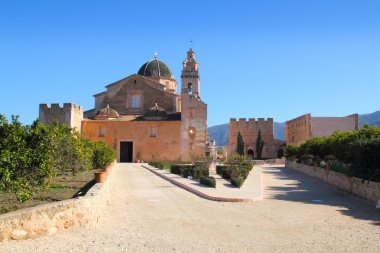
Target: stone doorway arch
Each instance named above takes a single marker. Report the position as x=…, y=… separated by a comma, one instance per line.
x=251, y=154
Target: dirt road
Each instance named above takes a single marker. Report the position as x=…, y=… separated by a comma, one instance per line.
x=148, y=214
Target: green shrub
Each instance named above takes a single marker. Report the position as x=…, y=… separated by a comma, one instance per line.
x=307, y=159
x=238, y=182
x=208, y=181
x=243, y=172
x=248, y=166
x=175, y=169
x=291, y=151
x=226, y=173
x=220, y=168
x=200, y=172
x=341, y=167
x=181, y=169
x=161, y=165
x=102, y=156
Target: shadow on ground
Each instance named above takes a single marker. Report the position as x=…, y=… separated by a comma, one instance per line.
x=302, y=188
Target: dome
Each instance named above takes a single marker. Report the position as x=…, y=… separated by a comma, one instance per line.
x=107, y=113
x=155, y=68
x=155, y=113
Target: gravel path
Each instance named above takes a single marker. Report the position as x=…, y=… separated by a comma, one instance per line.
x=148, y=214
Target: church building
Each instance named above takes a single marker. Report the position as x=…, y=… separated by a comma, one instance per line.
x=142, y=116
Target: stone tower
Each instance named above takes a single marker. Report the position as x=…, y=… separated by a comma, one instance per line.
x=69, y=114
x=190, y=81
x=193, y=111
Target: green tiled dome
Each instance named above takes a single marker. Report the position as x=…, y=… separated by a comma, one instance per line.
x=155, y=67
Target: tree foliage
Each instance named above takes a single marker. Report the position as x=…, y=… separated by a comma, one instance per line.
x=240, y=144
x=29, y=155
x=358, y=150
x=259, y=145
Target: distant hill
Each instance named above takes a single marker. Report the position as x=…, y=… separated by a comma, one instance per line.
x=373, y=119
x=220, y=132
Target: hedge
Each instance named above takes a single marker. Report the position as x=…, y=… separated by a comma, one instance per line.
x=208, y=181
x=238, y=182
x=355, y=153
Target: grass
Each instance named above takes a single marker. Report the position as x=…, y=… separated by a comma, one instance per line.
x=60, y=187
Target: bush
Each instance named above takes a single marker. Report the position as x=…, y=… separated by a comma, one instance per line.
x=248, y=166
x=29, y=155
x=220, y=168
x=238, y=182
x=307, y=159
x=291, y=151
x=102, y=156
x=161, y=165
x=200, y=172
x=181, y=169
x=226, y=173
x=243, y=172
x=208, y=181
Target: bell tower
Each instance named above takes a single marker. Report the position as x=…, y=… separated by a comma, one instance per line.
x=190, y=76
x=193, y=111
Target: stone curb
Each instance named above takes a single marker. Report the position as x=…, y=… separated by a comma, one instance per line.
x=199, y=193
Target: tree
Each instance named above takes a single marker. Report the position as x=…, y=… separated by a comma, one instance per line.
x=259, y=145
x=240, y=144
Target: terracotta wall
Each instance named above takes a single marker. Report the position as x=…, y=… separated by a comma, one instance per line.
x=298, y=130
x=249, y=131
x=324, y=126
x=193, y=116
x=118, y=96
x=167, y=143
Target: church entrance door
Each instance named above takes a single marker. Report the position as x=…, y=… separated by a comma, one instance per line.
x=126, y=151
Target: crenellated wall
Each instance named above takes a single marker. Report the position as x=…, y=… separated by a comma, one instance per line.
x=300, y=129
x=69, y=114
x=249, y=129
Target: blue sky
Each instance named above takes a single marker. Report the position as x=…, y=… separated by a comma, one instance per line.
x=277, y=59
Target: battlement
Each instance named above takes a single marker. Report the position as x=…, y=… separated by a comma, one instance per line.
x=70, y=114
x=250, y=121
x=57, y=106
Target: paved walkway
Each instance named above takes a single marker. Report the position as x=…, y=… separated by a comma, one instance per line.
x=251, y=190
x=149, y=214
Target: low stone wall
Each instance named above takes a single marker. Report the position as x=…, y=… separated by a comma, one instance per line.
x=49, y=218
x=362, y=188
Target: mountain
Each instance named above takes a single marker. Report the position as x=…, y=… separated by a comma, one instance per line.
x=373, y=119
x=220, y=133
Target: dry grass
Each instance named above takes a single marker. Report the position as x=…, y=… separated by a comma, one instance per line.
x=61, y=187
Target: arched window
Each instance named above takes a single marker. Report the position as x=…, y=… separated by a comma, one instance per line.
x=190, y=87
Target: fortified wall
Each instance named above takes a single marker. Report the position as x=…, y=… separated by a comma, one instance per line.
x=69, y=114
x=249, y=129
x=300, y=129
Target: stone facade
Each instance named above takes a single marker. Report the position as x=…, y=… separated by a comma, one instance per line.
x=178, y=133
x=249, y=131
x=70, y=114
x=165, y=145
x=119, y=96
x=193, y=110
x=362, y=188
x=299, y=130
